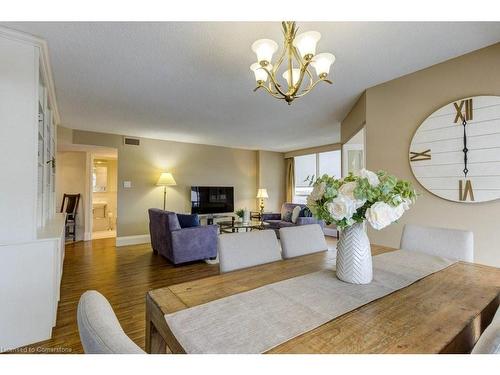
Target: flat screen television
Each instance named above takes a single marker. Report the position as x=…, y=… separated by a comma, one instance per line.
x=212, y=199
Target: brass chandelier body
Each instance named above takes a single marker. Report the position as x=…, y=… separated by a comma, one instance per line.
x=290, y=55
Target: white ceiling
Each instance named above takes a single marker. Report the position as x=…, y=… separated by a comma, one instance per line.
x=191, y=82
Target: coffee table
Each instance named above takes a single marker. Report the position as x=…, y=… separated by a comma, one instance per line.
x=236, y=226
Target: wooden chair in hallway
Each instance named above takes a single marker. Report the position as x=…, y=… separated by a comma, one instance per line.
x=70, y=207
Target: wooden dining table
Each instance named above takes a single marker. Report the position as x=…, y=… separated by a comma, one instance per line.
x=444, y=312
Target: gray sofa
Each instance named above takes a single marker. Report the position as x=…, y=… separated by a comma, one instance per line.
x=181, y=245
x=279, y=220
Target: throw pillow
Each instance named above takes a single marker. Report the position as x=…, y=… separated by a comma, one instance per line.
x=188, y=221
x=296, y=213
x=286, y=214
x=305, y=212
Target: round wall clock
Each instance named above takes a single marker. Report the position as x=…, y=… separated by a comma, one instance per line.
x=455, y=152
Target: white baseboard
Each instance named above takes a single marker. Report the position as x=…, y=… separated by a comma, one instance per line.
x=132, y=240
x=330, y=232
x=87, y=236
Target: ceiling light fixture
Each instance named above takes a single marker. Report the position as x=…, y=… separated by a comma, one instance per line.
x=299, y=52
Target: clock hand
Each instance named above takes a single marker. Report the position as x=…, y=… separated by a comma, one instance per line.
x=465, y=149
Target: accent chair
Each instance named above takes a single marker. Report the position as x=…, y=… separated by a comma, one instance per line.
x=448, y=243
x=247, y=249
x=489, y=342
x=302, y=240
x=177, y=244
x=100, y=331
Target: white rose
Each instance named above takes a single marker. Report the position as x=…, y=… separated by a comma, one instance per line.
x=341, y=207
x=371, y=176
x=318, y=192
x=348, y=190
x=406, y=203
x=380, y=215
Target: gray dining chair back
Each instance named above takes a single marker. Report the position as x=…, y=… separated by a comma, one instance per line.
x=489, y=342
x=302, y=240
x=100, y=330
x=247, y=249
x=448, y=243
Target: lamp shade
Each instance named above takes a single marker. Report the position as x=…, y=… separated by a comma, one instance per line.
x=322, y=63
x=306, y=43
x=264, y=49
x=262, y=193
x=166, y=179
x=295, y=76
x=260, y=73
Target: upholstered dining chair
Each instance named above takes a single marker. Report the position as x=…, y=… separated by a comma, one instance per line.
x=100, y=331
x=448, y=243
x=302, y=240
x=247, y=249
x=489, y=342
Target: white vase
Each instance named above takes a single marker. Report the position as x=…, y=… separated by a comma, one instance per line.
x=354, y=256
x=246, y=216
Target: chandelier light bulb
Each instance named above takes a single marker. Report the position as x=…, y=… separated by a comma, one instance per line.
x=322, y=63
x=306, y=44
x=295, y=76
x=260, y=74
x=264, y=49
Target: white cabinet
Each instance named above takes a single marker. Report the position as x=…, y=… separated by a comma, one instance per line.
x=31, y=233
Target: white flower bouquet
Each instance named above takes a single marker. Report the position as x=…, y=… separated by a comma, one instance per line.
x=379, y=198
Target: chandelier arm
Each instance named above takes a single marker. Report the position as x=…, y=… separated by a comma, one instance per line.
x=276, y=95
x=276, y=84
x=280, y=59
x=314, y=84
x=311, y=79
x=301, y=78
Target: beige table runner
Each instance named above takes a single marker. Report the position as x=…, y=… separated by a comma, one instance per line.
x=262, y=318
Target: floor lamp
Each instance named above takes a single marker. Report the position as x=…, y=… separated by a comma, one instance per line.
x=166, y=179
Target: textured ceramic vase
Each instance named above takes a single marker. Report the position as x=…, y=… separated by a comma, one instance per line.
x=354, y=256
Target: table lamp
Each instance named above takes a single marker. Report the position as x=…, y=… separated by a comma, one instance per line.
x=166, y=179
x=262, y=194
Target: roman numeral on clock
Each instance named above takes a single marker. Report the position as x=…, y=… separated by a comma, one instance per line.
x=419, y=156
x=465, y=190
x=463, y=114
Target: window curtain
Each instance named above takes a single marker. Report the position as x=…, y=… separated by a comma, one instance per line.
x=290, y=179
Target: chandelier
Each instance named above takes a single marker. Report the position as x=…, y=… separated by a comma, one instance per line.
x=299, y=53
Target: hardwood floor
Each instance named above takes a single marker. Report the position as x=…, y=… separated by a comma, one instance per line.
x=123, y=275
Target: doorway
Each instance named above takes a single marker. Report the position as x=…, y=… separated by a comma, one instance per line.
x=104, y=174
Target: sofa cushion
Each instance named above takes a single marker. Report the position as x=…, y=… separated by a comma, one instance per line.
x=305, y=212
x=188, y=221
x=286, y=213
x=296, y=213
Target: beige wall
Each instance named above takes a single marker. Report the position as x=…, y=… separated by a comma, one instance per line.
x=191, y=164
x=271, y=176
x=64, y=136
x=395, y=109
x=70, y=179
x=354, y=120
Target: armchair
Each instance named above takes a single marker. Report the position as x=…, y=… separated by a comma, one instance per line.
x=180, y=245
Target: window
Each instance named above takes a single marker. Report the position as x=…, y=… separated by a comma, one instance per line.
x=305, y=166
x=329, y=163
x=312, y=166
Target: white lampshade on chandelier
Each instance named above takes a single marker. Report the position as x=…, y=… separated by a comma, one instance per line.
x=299, y=53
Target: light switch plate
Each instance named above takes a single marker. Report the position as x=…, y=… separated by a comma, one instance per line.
x=127, y=184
